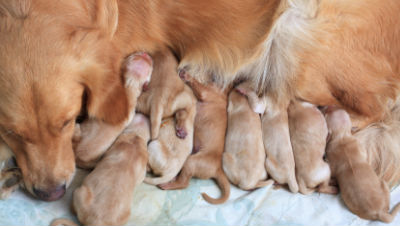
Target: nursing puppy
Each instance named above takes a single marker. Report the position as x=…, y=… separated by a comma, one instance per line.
x=308, y=134
x=165, y=95
x=96, y=135
x=280, y=162
x=209, y=137
x=106, y=193
x=168, y=153
x=244, y=157
x=364, y=193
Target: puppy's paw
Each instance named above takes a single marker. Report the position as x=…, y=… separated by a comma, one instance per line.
x=11, y=180
x=184, y=75
x=181, y=132
x=241, y=91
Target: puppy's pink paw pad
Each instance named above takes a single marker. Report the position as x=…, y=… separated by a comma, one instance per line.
x=181, y=133
x=184, y=75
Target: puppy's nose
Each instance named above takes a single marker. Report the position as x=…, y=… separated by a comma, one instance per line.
x=50, y=194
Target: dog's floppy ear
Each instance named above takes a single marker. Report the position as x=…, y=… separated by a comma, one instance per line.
x=18, y=9
x=106, y=97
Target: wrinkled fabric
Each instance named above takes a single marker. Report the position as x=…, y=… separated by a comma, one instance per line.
x=152, y=206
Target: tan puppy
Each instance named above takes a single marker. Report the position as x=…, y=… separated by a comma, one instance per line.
x=98, y=136
x=362, y=191
x=280, y=163
x=165, y=95
x=168, y=153
x=209, y=137
x=106, y=193
x=244, y=157
x=308, y=134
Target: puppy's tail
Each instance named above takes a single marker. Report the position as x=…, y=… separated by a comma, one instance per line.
x=264, y=183
x=160, y=180
x=225, y=186
x=63, y=222
x=381, y=142
x=388, y=217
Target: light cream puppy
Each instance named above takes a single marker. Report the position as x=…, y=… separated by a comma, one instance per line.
x=168, y=153
x=97, y=136
x=308, y=134
x=244, y=157
x=165, y=95
x=280, y=162
x=363, y=192
x=105, y=196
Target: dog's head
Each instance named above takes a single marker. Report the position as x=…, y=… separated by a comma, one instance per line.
x=51, y=53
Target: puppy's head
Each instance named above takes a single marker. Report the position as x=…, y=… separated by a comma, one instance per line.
x=51, y=54
x=337, y=120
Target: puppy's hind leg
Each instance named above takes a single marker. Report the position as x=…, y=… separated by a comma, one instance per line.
x=264, y=183
x=180, y=128
x=181, y=181
x=303, y=189
x=156, y=114
x=389, y=217
x=326, y=188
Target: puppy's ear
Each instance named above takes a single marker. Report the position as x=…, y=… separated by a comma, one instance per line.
x=18, y=9
x=106, y=97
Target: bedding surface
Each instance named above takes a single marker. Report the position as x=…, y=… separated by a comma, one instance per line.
x=152, y=206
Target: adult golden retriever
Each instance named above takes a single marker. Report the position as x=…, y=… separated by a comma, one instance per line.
x=325, y=52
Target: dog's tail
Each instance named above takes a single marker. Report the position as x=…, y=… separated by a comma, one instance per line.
x=225, y=186
x=388, y=217
x=63, y=222
x=381, y=142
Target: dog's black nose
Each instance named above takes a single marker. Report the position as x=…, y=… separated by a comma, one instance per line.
x=50, y=194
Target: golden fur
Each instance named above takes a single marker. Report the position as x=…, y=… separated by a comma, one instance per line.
x=324, y=52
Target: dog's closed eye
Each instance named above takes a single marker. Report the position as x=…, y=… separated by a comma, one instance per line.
x=67, y=122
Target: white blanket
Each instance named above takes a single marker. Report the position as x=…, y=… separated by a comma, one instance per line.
x=152, y=206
